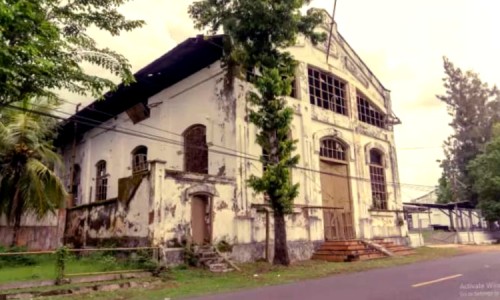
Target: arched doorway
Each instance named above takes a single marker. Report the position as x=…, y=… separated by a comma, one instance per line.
x=336, y=191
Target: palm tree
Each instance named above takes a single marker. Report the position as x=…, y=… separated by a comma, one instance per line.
x=28, y=183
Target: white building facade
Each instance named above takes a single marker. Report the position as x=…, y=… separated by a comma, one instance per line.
x=167, y=159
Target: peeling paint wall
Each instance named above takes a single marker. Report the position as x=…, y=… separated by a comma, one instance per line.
x=35, y=234
x=111, y=222
x=161, y=209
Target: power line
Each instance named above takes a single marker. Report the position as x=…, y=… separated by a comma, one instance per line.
x=178, y=143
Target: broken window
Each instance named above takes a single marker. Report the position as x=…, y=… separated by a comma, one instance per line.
x=101, y=187
x=327, y=91
x=377, y=178
x=333, y=149
x=140, y=159
x=368, y=113
x=196, y=149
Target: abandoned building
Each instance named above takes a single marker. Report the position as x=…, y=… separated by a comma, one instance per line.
x=167, y=158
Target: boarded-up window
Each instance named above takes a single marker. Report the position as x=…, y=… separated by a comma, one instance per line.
x=377, y=178
x=333, y=149
x=368, y=113
x=196, y=149
x=101, y=188
x=327, y=92
x=140, y=159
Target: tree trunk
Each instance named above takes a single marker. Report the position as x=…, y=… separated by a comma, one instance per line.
x=17, y=211
x=281, y=256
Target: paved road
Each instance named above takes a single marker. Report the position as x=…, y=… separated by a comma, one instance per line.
x=464, y=277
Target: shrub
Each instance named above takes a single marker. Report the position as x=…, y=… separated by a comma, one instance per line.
x=16, y=260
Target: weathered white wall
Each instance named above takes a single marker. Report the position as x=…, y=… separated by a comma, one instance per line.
x=189, y=102
x=234, y=154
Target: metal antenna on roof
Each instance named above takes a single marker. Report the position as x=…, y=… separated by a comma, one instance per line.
x=331, y=31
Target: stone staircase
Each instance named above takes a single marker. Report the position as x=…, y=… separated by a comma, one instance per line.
x=356, y=250
x=208, y=257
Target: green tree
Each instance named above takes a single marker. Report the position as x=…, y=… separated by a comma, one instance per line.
x=485, y=170
x=474, y=107
x=43, y=44
x=258, y=32
x=444, y=190
x=27, y=159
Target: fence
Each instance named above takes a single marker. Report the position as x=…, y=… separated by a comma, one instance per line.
x=66, y=263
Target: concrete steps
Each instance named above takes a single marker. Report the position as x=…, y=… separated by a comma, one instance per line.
x=209, y=258
x=356, y=250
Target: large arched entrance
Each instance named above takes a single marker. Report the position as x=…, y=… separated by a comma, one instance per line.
x=335, y=190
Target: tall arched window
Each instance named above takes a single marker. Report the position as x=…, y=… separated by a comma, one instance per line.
x=196, y=149
x=101, y=181
x=331, y=148
x=377, y=178
x=139, y=159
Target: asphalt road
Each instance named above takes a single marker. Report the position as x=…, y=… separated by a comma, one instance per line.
x=467, y=277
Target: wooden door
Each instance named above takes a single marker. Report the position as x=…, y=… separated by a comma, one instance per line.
x=336, y=193
x=200, y=220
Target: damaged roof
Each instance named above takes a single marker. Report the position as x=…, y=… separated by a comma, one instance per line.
x=185, y=59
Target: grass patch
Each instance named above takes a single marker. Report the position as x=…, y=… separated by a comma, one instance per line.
x=43, y=267
x=192, y=282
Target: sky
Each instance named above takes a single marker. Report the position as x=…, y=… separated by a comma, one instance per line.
x=402, y=42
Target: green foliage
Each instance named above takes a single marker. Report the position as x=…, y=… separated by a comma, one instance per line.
x=190, y=257
x=43, y=44
x=443, y=190
x=15, y=260
x=28, y=182
x=474, y=107
x=485, y=171
x=224, y=246
x=258, y=31
x=62, y=255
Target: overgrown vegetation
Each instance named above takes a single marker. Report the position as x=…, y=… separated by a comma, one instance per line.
x=257, y=34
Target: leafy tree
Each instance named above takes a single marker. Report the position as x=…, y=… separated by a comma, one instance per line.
x=444, y=190
x=474, y=107
x=485, y=171
x=43, y=44
x=27, y=158
x=258, y=32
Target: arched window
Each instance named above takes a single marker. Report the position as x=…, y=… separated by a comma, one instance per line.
x=196, y=149
x=139, y=159
x=101, y=179
x=331, y=148
x=377, y=178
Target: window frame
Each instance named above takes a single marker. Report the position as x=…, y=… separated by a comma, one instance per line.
x=332, y=106
x=382, y=119
x=203, y=151
x=378, y=180
x=344, y=150
x=142, y=164
x=101, y=181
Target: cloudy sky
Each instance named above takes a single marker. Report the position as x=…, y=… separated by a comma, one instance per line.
x=402, y=41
